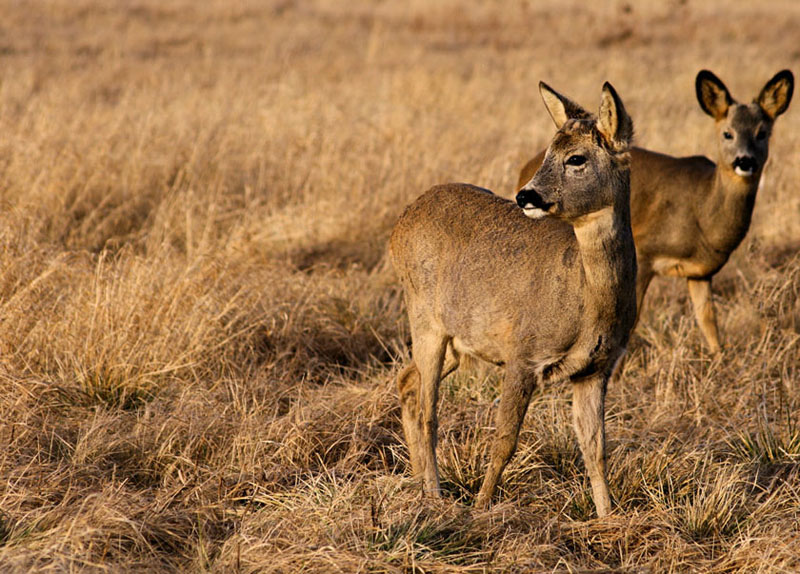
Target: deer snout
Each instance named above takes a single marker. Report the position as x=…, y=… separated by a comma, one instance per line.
x=745, y=165
x=532, y=203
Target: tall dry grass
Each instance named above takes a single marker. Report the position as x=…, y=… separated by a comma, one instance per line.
x=199, y=331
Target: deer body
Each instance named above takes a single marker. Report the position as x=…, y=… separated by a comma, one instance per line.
x=689, y=214
x=543, y=292
x=548, y=291
x=693, y=243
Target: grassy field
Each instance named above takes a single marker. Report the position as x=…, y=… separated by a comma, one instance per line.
x=199, y=330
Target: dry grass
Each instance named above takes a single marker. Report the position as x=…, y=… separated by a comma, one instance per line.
x=199, y=333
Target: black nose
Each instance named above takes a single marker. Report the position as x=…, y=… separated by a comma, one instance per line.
x=527, y=198
x=745, y=163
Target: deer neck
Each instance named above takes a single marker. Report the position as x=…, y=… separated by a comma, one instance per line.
x=608, y=257
x=728, y=208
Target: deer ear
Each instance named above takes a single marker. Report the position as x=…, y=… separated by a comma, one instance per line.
x=714, y=97
x=560, y=107
x=776, y=94
x=613, y=122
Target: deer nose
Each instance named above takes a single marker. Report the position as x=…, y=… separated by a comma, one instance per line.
x=745, y=164
x=528, y=198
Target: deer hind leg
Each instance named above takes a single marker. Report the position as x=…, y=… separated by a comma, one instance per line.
x=408, y=390
x=700, y=293
x=419, y=393
x=588, y=414
x=514, y=399
x=408, y=386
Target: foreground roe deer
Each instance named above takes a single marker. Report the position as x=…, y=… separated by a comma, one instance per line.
x=548, y=290
x=688, y=214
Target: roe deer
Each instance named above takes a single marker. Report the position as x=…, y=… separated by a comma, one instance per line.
x=548, y=290
x=689, y=214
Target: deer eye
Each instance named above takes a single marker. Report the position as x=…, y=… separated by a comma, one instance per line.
x=761, y=135
x=576, y=160
x=727, y=135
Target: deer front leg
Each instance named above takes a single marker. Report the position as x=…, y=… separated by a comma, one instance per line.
x=643, y=277
x=514, y=399
x=700, y=293
x=588, y=412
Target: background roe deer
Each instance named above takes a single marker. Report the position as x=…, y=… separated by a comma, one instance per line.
x=689, y=214
x=551, y=296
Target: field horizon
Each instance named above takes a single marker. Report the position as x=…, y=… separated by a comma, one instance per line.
x=200, y=329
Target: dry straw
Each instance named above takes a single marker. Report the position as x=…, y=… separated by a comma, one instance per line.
x=199, y=333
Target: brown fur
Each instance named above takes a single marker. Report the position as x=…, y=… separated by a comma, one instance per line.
x=550, y=298
x=688, y=214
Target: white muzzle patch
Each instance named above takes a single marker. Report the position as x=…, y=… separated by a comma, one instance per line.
x=533, y=212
